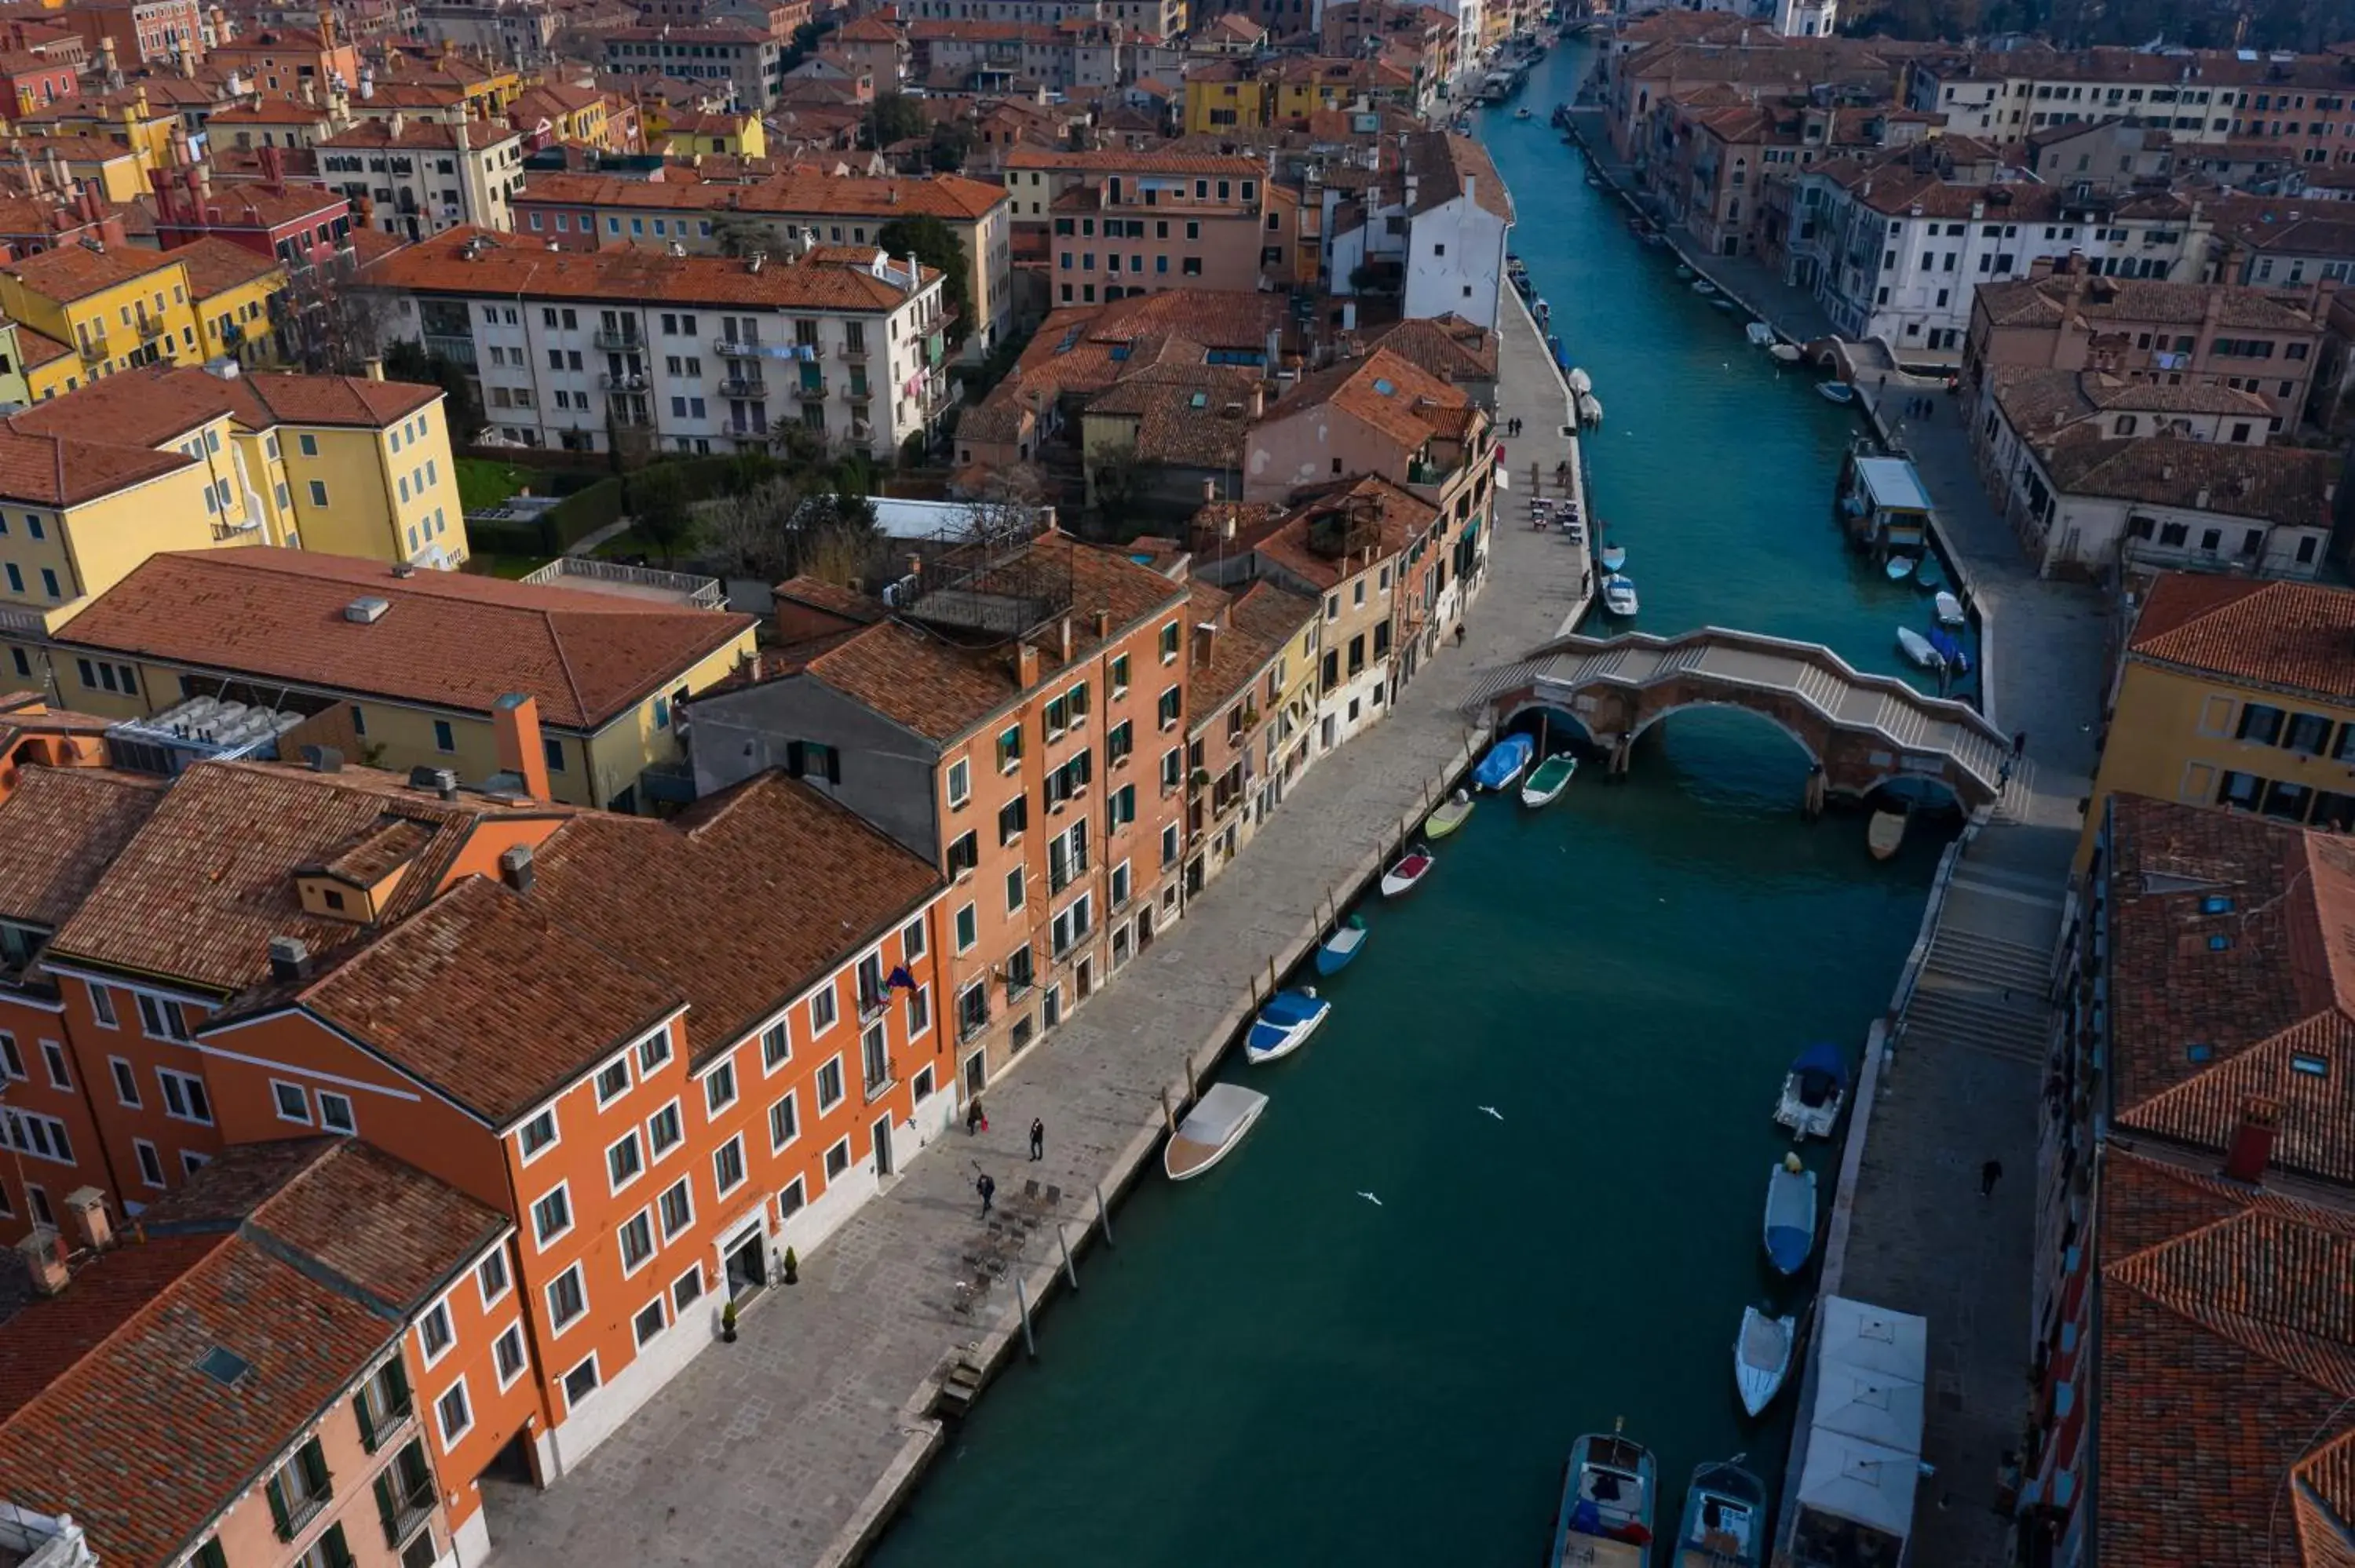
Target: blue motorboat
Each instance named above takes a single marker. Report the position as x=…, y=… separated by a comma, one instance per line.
x=1285, y=1024
x=1334, y=953
x=1504, y=763
x=1790, y=1234
x=1949, y=647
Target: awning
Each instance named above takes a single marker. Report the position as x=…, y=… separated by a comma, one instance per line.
x=1853, y=1403
x=1860, y=1481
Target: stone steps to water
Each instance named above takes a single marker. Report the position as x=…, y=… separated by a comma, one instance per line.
x=1961, y=1018
x=2024, y=971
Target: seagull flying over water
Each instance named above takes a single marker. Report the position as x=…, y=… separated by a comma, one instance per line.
x=1370, y=1198
x=1493, y=1111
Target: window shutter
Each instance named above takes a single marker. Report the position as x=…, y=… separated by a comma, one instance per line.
x=834, y=765
x=396, y=1389
x=794, y=758
x=210, y=1555
x=315, y=1467
x=367, y=1419
x=339, y=1555
x=384, y=1510
x=277, y=1493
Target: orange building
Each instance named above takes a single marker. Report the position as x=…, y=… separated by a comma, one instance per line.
x=34, y=734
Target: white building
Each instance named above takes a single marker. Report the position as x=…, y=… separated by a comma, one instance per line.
x=1459, y=217
x=1893, y=249
x=1807, y=18
x=692, y=354
x=415, y=178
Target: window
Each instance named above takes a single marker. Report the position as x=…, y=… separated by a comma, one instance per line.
x=612, y=1081
x=101, y=1006
x=318, y=490
x=537, y=1136
x=1169, y=639
x=677, y=1205
x=648, y=1322
x=1014, y=890
x=161, y=1020
x=875, y=1057
x=653, y=1050
x=12, y=1061
x=1169, y=845
x=292, y=1103
x=53, y=1058
x=790, y=1200
x=1009, y=749
x=964, y=854
x=784, y=1123
x=637, y=1241
x=912, y=941
x=184, y=1097
x=1167, y=709
x=509, y=1354
x=686, y=1289
x=663, y=1130
x=624, y=1163
x=566, y=1299
x=299, y=1490
x=581, y=1381
x=150, y=1169
x=434, y=1336
x=719, y=1088
x=967, y=928
x=491, y=1275
x=1120, y=676
x=829, y=1085
x=38, y=1135
x=2261, y=723
x=822, y=1011
x=1012, y=819
x=728, y=1165
x=444, y=740
x=553, y=1215
x=920, y=1011
x=960, y=783
x=336, y=1113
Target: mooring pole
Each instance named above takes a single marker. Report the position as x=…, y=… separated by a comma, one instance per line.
x=1071, y=1270
x=1022, y=1300
x=1168, y=1116
x=1103, y=1214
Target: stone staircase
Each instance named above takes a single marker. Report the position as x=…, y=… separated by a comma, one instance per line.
x=1986, y=982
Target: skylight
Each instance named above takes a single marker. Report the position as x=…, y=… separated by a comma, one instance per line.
x=223, y=1365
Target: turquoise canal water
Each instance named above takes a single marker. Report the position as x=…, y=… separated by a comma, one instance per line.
x=1270, y=1370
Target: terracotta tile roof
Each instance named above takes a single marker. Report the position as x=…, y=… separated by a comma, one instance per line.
x=1118, y=161
x=505, y=266
x=57, y=470
x=949, y=196
x=2215, y=1010
x=38, y=348
x=1255, y=625
x=812, y=884
x=587, y=657
x=2291, y=636
x=71, y=273
x=819, y=594
x=252, y=205
x=264, y=398
x=59, y=829
x=940, y=690
x=1195, y=415
x=1386, y=392
x=1443, y=163
x=1447, y=347
x=2048, y=302
x=215, y=266
x=200, y=890
x=1303, y=542
x=153, y=406
x=104, y=1411
x=2037, y=401
x=2291, y=486
x=2224, y=1368
x=481, y=136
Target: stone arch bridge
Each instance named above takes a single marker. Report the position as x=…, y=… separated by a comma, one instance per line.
x=1864, y=730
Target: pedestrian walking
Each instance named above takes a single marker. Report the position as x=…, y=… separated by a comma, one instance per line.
x=1989, y=1175
x=2019, y=743
x=988, y=1190
x=1038, y=1138
x=974, y=1121
x=1459, y=634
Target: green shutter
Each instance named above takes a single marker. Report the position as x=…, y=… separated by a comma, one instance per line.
x=384, y=1506
x=396, y=1390
x=339, y=1555
x=278, y=1510
x=367, y=1421
x=313, y=1460
x=210, y=1555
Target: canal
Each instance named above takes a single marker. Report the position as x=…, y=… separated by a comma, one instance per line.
x=1273, y=1370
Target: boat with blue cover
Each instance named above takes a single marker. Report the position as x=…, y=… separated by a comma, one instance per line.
x=1790, y=1231
x=1504, y=763
x=1949, y=647
x=1607, y=1495
x=1334, y=953
x=1285, y=1024
x=1812, y=1091
x=1724, y=1521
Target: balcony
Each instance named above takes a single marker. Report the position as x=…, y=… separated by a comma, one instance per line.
x=94, y=349
x=457, y=350
x=744, y=429
x=860, y=431
x=811, y=389
x=404, y=1509
x=741, y=386
x=736, y=348
x=623, y=382
x=971, y=1022
x=858, y=392
x=853, y=353
x=151, y=327
x=589, y=574
x=624, y=340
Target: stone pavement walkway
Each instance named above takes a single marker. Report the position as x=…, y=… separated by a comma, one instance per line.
x=787, y=1447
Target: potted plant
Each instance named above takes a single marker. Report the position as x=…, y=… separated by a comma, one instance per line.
x=793, y=1267
x=728, y=1323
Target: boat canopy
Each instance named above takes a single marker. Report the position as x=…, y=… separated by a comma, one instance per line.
x=1286, y=1007
x=1822, y=1062
x=1223, y=1109
x=1893, y=484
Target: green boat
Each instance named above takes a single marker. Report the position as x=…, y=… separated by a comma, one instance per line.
x=1449, y=817
x=1551, y=777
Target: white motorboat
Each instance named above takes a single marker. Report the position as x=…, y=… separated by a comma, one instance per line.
x=1590, y=408
x=1789, y=1232
x=1547, y=779
x=1761, y=1358
x=1788, y=353
x=1759, y=334
x=1211, y=1129
x=1579, y=381
x=1917, y=648
x=1618, y=595
x=1614, y=557
x=1949, y=610
x=1812, y=1092
x=1285, y=1024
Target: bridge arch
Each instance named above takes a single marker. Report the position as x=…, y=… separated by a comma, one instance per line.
x=1863, y=730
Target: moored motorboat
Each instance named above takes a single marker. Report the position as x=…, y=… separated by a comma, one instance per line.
x=1884, y=833
x=1607, y=1495
x=1549, y=779
x=1614, y=557
x=1285, y=1024
x=1788, y=353
x=1759, y=334
x=1684, y=274
x=1334, y=953
x=1898, y=567
x=1590, y=408
x=1949, y=649
x=1211, y=1129
x=1835, y=391
x=1450, y=815
x=1762, y=1357
x=1917, y=648
x=1504, y=763
x=1812, y=1091
x=1724, y=1523
x=1703, y=286
x=1929, y=575
x=1790, y=1228
x=1618, y=595
x=1411, y=869
x=1949, y=610
x=1579, y=381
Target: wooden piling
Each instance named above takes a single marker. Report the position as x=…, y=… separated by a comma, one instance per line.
x=1070, y=1270
x=1103, y=1215
x=1022, y=1300
x=1168, y=1116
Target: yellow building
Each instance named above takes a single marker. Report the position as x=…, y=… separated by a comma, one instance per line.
x=13, y=387
x=112, y=309
x=678, y=133
x=555, y=111
x=127, y=120
x=119, y=172
x=407, y=671
x=232, y=288
x=2235, y=692
x=1225, y=95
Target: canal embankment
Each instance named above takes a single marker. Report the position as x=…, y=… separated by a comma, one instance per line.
x=796, y=1444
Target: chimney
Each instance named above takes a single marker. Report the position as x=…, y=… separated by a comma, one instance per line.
x=2252, y=1147
x=1063, y=641
x=373, y=368
x=92, y=1225
x=1103, y=620
x=1025, y=665
x=516, y=718
x=1209, y=490
x=323, y=759
x=45, y=1260
x=289, y=959
x=1205, y=639
x=514, y=868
